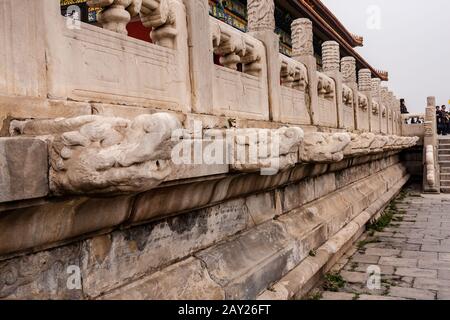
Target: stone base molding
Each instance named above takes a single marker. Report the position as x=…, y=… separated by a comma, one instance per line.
x=262, y=227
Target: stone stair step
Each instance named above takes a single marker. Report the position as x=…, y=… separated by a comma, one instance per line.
x=444, y=158
x=445, y=183
x=445, y=189
x=444, y=151
x=445, y=176
x=444, y=140
x=444, y=147
x=444, y=164
x=445, y=169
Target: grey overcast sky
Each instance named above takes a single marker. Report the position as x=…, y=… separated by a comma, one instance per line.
x=408, y=38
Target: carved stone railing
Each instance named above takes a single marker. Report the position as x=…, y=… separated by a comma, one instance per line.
x=239, y=93
x=431, y=175
x=413, y=124
x=116, y=14
x=105, y=71
x=111, y=155
x=294, y=91
x=348, y=101
x=430, y=166
x=327, y=104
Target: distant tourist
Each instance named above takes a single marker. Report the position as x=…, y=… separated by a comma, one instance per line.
x=403, y=108
x=438, y=120
x=445, y=120
x=442, y=120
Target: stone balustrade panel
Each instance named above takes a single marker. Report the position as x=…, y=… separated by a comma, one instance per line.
x=413, y=129
x=384, y=119
x=327, y=105
x=90, y=64
x=238, y=93
x=375, y=124
x=22, y=52
x=294, y=87
x=109, y=67
x=363, y=112
x=348, y=101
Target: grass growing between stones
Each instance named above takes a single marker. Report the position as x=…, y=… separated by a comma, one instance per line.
x=353, y=266
x=385, y=219
x=333, y=282
x=361, y=244
x=314, y=295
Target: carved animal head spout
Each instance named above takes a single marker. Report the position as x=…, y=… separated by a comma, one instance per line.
x=359, y=145
x=378, y=144
x=266, y=150
x=97, y=154
x=363, y=102
x=347, y=96
x=324, y=147
x=375, y=108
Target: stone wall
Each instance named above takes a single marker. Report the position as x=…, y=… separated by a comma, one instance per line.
x=260, y=230
x=89, y=180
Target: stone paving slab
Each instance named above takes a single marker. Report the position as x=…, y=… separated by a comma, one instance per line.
x=337, y=296
x=412, y=293
x=407, y=259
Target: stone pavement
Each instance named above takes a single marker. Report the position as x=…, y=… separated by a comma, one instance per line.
x=411, y=250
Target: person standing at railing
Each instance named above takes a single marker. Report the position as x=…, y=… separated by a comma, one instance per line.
x=442, y=119
x=403, y=108
x=439, y=120
x=445, y=120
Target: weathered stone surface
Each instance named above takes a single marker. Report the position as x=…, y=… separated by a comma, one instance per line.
x=337, y=296
x=431, y=284
x=96, y=154
x=112, y=260
x=298, y=194
x=335, y=210
x=443, y=295
x=59, y=221
x=262, y=207
x=444, y=256
x=382, y=252
x=116, y=14
x=407, y=273
x=265, y=149
x=44, y=275
x=324, y=185
x=179, y=198
x=444, y=274
x=246, y=265
x=419, y=255
x=365, y=258
x=352, y=174
x=359, y=144
x=309, y=231
x=411, y=293
x=398, y=262
x=365, y=297
x=434, y=264
x=300, y=280
x=354, y=277
x=416, y=272
x=324, y=147
x=23, y=169
x=363, y=267
x=163, y=202
x=187, y=280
